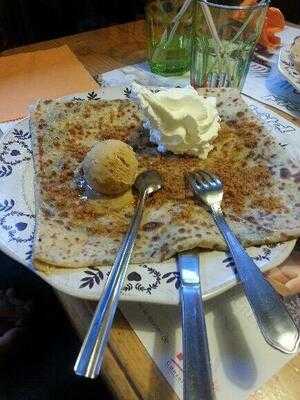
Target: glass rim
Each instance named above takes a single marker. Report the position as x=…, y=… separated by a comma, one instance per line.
x=262, y=4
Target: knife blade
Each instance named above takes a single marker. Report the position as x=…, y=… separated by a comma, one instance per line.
x=198, y=383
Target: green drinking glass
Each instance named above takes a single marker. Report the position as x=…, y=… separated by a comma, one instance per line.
x=225, y=33
x=169, y=28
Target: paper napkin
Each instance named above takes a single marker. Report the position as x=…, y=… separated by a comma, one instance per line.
x=26, y=77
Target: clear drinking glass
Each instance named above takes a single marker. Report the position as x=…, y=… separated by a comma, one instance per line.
x=169, y=28
x=225, y=33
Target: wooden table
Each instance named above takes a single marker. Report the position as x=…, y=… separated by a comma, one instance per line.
x=128, y=370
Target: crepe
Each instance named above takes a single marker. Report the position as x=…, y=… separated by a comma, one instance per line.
x=261, y=185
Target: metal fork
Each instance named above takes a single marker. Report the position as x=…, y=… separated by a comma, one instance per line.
x=274, y=321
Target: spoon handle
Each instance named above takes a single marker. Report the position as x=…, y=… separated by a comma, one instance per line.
x=274, y=321
x=90, y=358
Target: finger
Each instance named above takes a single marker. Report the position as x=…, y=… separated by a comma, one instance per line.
x=290, y=271
x=293, y=285
x=277, y=275
x=279, y=287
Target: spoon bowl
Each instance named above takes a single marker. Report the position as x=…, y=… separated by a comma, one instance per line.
x=149, y=181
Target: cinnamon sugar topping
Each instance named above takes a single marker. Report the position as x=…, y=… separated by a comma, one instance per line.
x=247, y=179
x=244, y=181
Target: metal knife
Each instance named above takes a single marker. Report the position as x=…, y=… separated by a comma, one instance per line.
x=198, y=384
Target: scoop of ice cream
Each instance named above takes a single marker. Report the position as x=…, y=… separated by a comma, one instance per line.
x=110, y=167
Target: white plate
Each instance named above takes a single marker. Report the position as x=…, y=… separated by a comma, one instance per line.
x=286, y=67
x=157, y=283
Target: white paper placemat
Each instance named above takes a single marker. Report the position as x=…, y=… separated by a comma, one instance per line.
x=241, y=359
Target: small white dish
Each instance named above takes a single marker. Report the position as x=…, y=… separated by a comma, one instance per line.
x=287, y=69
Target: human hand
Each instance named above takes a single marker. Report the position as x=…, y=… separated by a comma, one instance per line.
x=286, y=278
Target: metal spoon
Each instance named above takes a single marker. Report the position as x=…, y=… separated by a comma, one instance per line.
x=90, y=358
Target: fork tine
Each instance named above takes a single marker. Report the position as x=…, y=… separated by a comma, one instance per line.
x=192, y=180
x=209, y=177
x=203, y=177
x=215, y=179
x=201, y=180
x=195, y=182
x=206, y=176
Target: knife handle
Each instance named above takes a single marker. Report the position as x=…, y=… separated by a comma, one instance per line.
x=198, y=384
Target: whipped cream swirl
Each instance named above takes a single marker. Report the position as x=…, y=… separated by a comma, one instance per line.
x=180, y=120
